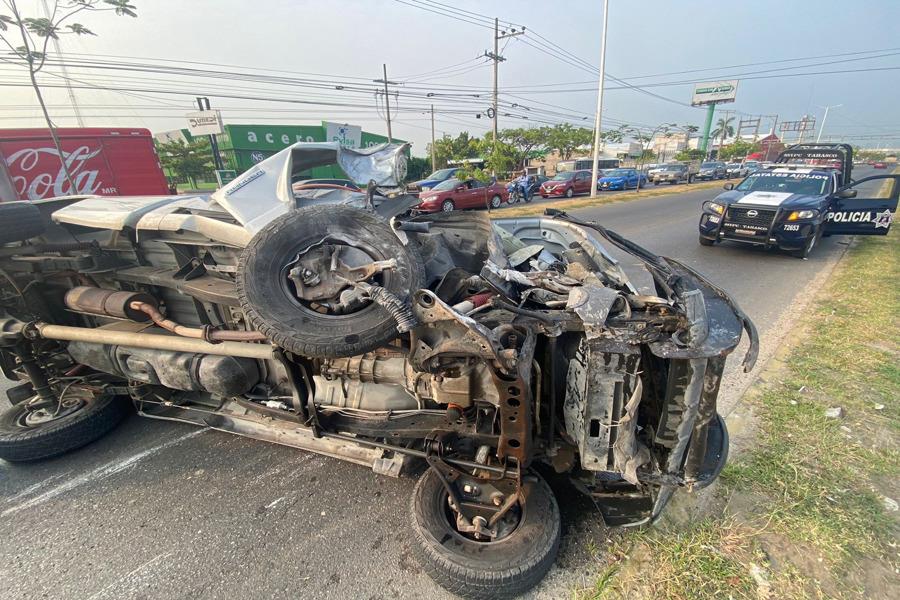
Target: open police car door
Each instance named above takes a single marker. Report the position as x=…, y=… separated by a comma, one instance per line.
x=865, y=207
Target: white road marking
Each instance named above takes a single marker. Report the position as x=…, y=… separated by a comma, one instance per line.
x=31, y=489
x=129, y=575
x=99, y=473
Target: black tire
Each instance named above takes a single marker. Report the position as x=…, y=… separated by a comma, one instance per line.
x=570, y=192
x=655, y=183
x=807, y=248
x=20, y=221
x=502, y=569
x=448, y=206
x=272, y=308
x=706, y=242
x=96, y=417
x=496, y=201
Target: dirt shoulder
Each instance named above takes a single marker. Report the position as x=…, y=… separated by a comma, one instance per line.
x=809, y=508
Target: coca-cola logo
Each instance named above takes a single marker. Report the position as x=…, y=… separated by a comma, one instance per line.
x=34, y=183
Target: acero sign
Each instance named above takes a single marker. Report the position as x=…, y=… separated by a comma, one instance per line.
x=714, y=92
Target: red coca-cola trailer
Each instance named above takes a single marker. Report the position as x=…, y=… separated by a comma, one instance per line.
x=106, y=162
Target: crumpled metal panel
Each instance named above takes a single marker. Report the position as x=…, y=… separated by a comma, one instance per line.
x=263, y=192
x=602, y=377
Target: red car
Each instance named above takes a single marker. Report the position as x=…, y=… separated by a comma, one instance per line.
x=879, y=165
x=454, y=194
x=567, y=184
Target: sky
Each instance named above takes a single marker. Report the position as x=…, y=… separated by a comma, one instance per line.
x=548, y=75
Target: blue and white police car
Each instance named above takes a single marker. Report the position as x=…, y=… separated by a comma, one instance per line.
x=796, y=201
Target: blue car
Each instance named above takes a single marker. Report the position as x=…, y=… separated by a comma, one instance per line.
x=432, y=180
x=621, y=179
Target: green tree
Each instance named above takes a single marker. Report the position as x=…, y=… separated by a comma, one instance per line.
x=565, y=139
x=449, y=148
x=417, y=168
x=724, y=129
x=526, y=142
x=35, y=33
x=738, y=149
x=689, y=154
x=187, y=160
x=499, y=158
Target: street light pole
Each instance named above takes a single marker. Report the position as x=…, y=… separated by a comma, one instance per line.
x=824, y=118
x=595, y=172
x=433, y=164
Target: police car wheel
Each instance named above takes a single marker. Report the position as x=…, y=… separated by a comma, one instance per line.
x=706, y=242
x=807, y=247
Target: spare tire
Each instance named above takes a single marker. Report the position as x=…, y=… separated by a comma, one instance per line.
x=20, y=221
x=271, y=303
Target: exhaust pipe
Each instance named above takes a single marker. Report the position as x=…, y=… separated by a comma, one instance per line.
x=153, y=341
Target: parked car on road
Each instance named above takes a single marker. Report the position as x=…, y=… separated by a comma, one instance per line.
x=736, y=169
x=621, y=179
x=432, y=180
x=752, y=166
x=454, y=194
x=672, y=174
x=879, y=165
x=567, y=184
x=790, y=206
x=711, y=170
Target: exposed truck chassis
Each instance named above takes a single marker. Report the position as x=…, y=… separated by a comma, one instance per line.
x=511, y=346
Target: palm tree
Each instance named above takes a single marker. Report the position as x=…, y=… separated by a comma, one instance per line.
x=723, y=130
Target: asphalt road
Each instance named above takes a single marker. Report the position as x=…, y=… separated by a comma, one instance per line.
x=163, y=510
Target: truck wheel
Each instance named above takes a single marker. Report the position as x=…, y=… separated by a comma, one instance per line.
x=27, y=435
x=706, y=242
x=503, y=568
x=20, y=221
x=323, y=317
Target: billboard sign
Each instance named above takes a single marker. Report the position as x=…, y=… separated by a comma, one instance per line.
x=205, y=122
x=349, y=136
x=804, y=124
x=714, y=92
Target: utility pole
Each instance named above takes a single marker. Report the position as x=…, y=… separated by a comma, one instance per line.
x=595, y=171
x=203, y=104
x=387, y=100
x=64, y=72
x=433, y=163
x=824, y=118
x=495, y=56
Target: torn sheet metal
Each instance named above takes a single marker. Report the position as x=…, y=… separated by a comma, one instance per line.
x=629, y=454
x=592, y=304
x=264, y=192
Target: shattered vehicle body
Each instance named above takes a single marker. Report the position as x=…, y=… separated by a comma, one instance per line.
x=492, y=350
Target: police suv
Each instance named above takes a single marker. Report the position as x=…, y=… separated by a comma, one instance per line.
x=797, y=200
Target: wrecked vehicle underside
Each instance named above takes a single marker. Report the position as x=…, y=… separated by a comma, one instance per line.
x=490, y=349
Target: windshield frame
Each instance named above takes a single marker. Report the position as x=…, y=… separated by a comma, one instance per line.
x=747, y=185
x=446, y=185
x=564, y=176
x=622, y=172
x=436, y=176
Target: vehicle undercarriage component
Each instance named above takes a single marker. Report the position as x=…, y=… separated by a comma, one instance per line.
x=124, y=334
x=222, y=375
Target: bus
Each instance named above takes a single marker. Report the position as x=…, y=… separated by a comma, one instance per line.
x=581, y=164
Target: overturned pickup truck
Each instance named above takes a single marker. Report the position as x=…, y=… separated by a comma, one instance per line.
x=490, y=350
